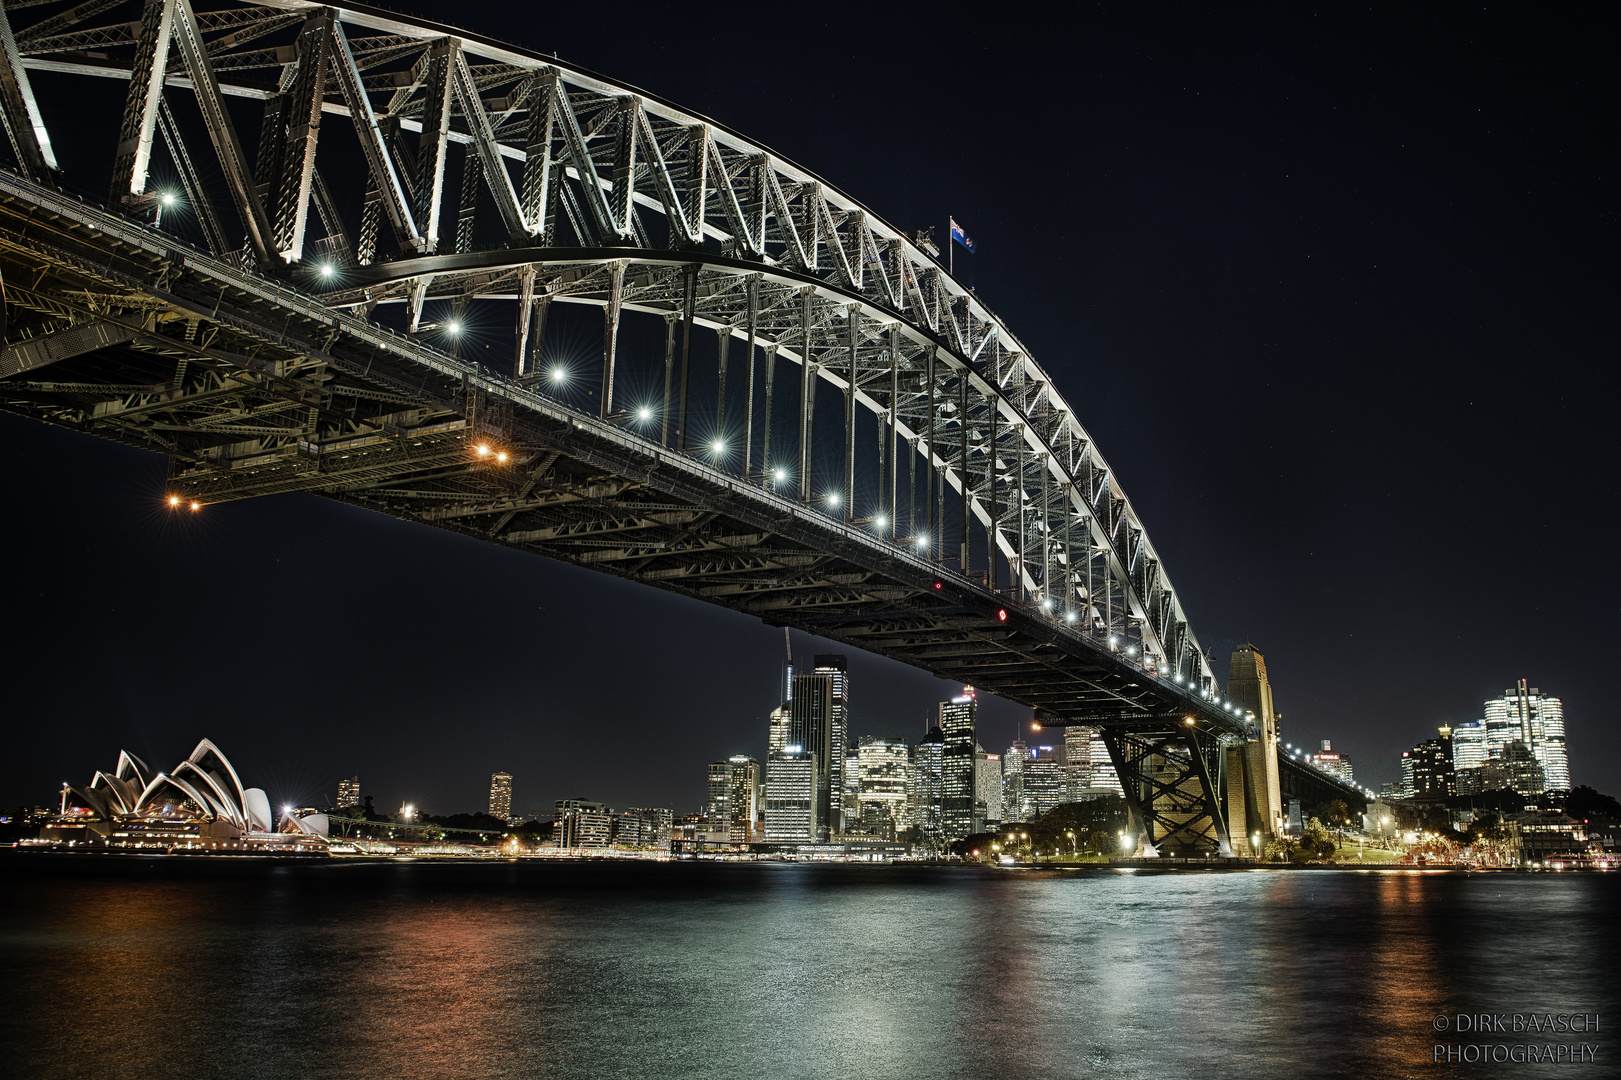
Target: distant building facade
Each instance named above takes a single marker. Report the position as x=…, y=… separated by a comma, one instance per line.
x=958, y=791
x=348, y=793
x=501, y=796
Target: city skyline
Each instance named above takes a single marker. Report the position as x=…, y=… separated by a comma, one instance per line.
x=1208, y=247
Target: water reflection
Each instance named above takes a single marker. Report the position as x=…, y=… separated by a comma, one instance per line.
x=125, y=967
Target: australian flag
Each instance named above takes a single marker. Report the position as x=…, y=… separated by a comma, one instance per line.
x=961, y=237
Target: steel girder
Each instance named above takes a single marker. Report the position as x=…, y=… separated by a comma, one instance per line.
x=668, y=214
x=1166, y=769
x=252, y=387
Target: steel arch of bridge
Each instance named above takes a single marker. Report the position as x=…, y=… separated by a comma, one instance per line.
x=609, y=197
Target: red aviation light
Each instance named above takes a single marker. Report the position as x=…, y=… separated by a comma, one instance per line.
x=938, y=585
x=1001, y=614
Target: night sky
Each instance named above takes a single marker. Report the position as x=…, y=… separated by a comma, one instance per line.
x=1333, y=290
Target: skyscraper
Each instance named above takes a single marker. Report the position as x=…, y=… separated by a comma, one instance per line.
x=958, y=791
x=348, y=793
x=718, y=798
x=1103, y=774
x=791, y=798
x=1046, y=781
x=747, y=795
x=501, y=796
x=924, y=794
x=988, y=788
x=1013, y=781
x=1524, y=714
x=837, y=669
x=1078, y=760
x=1468, y=746
x=883, y=765
x=810, y=732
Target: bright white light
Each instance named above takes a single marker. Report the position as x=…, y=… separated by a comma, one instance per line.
x=168, y=198
x=644, y=414
x=1069, y=616
x=718, y=446
x=1131, y=650
x=780, y=475
x=833, y=499
x=1046, y=603
x=1114, y=641
x=558, y=374
x=453, y=327
x=327, y=270
x=923, y=541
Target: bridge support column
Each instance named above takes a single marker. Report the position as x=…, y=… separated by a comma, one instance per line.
x=1166, y=775
x=610, y=336
x=1248, y=688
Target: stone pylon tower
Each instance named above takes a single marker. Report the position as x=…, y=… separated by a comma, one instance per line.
x=1255, y=805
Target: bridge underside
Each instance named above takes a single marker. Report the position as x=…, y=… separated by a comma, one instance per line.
x=253, y=389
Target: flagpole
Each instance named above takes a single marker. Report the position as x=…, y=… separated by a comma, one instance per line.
x=951, y=251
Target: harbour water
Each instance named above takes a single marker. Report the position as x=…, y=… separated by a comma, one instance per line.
x=133, y=967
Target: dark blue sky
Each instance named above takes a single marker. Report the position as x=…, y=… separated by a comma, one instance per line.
x=1334, y=291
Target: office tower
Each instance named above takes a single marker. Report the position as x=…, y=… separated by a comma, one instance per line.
x=1409, y=765
x=1046, y=781
x=1103, y=774
x=957, y=788
x=1078, y=760
x=348, y=793
x=837, y=669
x=924, y=796
x=1468, y=746
x=1514, y=768
x=1013, y=781
x=987, y=788
x=746, y=796
x=990, y=789
x=777, y=733
x=810, y=734
x=656, y=827
x=882, y=768
x=851, y=817
x=1524, y=714
x=718, y=796
x=501, y=796
x=1333, y=763
x=581, y=823
x=1432, y=766
x=792, y=798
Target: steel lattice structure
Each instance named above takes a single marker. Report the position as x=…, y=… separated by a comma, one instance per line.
x=961, y=518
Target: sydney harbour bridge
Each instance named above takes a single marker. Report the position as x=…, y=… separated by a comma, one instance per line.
x=339, y=251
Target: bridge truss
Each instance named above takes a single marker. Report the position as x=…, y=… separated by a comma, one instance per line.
x=787, y=406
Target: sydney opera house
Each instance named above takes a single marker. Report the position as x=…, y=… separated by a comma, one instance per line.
x=198, y=806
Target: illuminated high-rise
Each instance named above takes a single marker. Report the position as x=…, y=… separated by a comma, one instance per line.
x=791, y=798
x=810, y=734
x=958, y=791
x=1103, y=774
x=836, y=667
x=348, y=793
x=718, y=797
x=1078, y=760
x=746, y=799
x=988, y=786
x=1013, y=781
x=1524, y=714
x=923, y=794
x=501, y=796
x=883, y=767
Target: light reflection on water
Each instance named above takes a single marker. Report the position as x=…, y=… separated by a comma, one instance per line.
x=130, y=968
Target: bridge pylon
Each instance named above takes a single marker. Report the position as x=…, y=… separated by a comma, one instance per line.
x=1254, y=793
